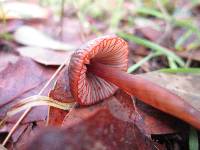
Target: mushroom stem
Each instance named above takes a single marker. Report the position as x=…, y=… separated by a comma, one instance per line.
x=148, y=92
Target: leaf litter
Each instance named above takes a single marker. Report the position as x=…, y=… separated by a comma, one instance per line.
x=119, y=109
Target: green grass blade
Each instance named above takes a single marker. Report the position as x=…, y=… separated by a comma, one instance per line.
x=141, y=62
x=193, y=139
x=152, y=46
x=181, y=70
x=172, y=63
x=179, y=43
x=194, y=45
x=188, y=24
x=150, y=11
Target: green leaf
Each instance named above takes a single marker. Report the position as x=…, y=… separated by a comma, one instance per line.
x=172, y=63
x=150, y=11
x=141, y=62
x=182, y=70
x=188, y=24
x=179, y=43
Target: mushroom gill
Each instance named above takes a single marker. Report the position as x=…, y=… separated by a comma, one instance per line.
x=86, y=87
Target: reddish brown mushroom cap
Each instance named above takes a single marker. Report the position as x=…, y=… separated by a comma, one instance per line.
x=86, y=87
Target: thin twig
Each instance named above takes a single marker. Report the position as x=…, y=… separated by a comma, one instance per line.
x=28, y=110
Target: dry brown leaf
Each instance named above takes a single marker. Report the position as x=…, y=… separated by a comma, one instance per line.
x=30, y=36
x=18, y=132
x=7, y=58
x=184, y=85
x=99, y=131
x=193, y=55
x=146, y=118
x=62, y=93
x=45, y=56
x=23, y=79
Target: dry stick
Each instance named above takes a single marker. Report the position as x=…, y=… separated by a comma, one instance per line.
x=28, y=110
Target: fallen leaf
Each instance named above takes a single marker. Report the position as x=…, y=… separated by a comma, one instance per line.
x=17, y=133
x=23, y=79
x=100, y=131
x=30, y=36
x=45, y=56
x=193, y=55
x=22, y=10
x=30, y=131
x=7, y=58
x=184, y=85
x=62, y=93
x=36, y=114
x=149, y=33
x=146, y=118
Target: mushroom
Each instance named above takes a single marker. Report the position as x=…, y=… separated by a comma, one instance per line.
x=98, y=69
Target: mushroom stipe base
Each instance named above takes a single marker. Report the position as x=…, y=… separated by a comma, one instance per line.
x=149, y=93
